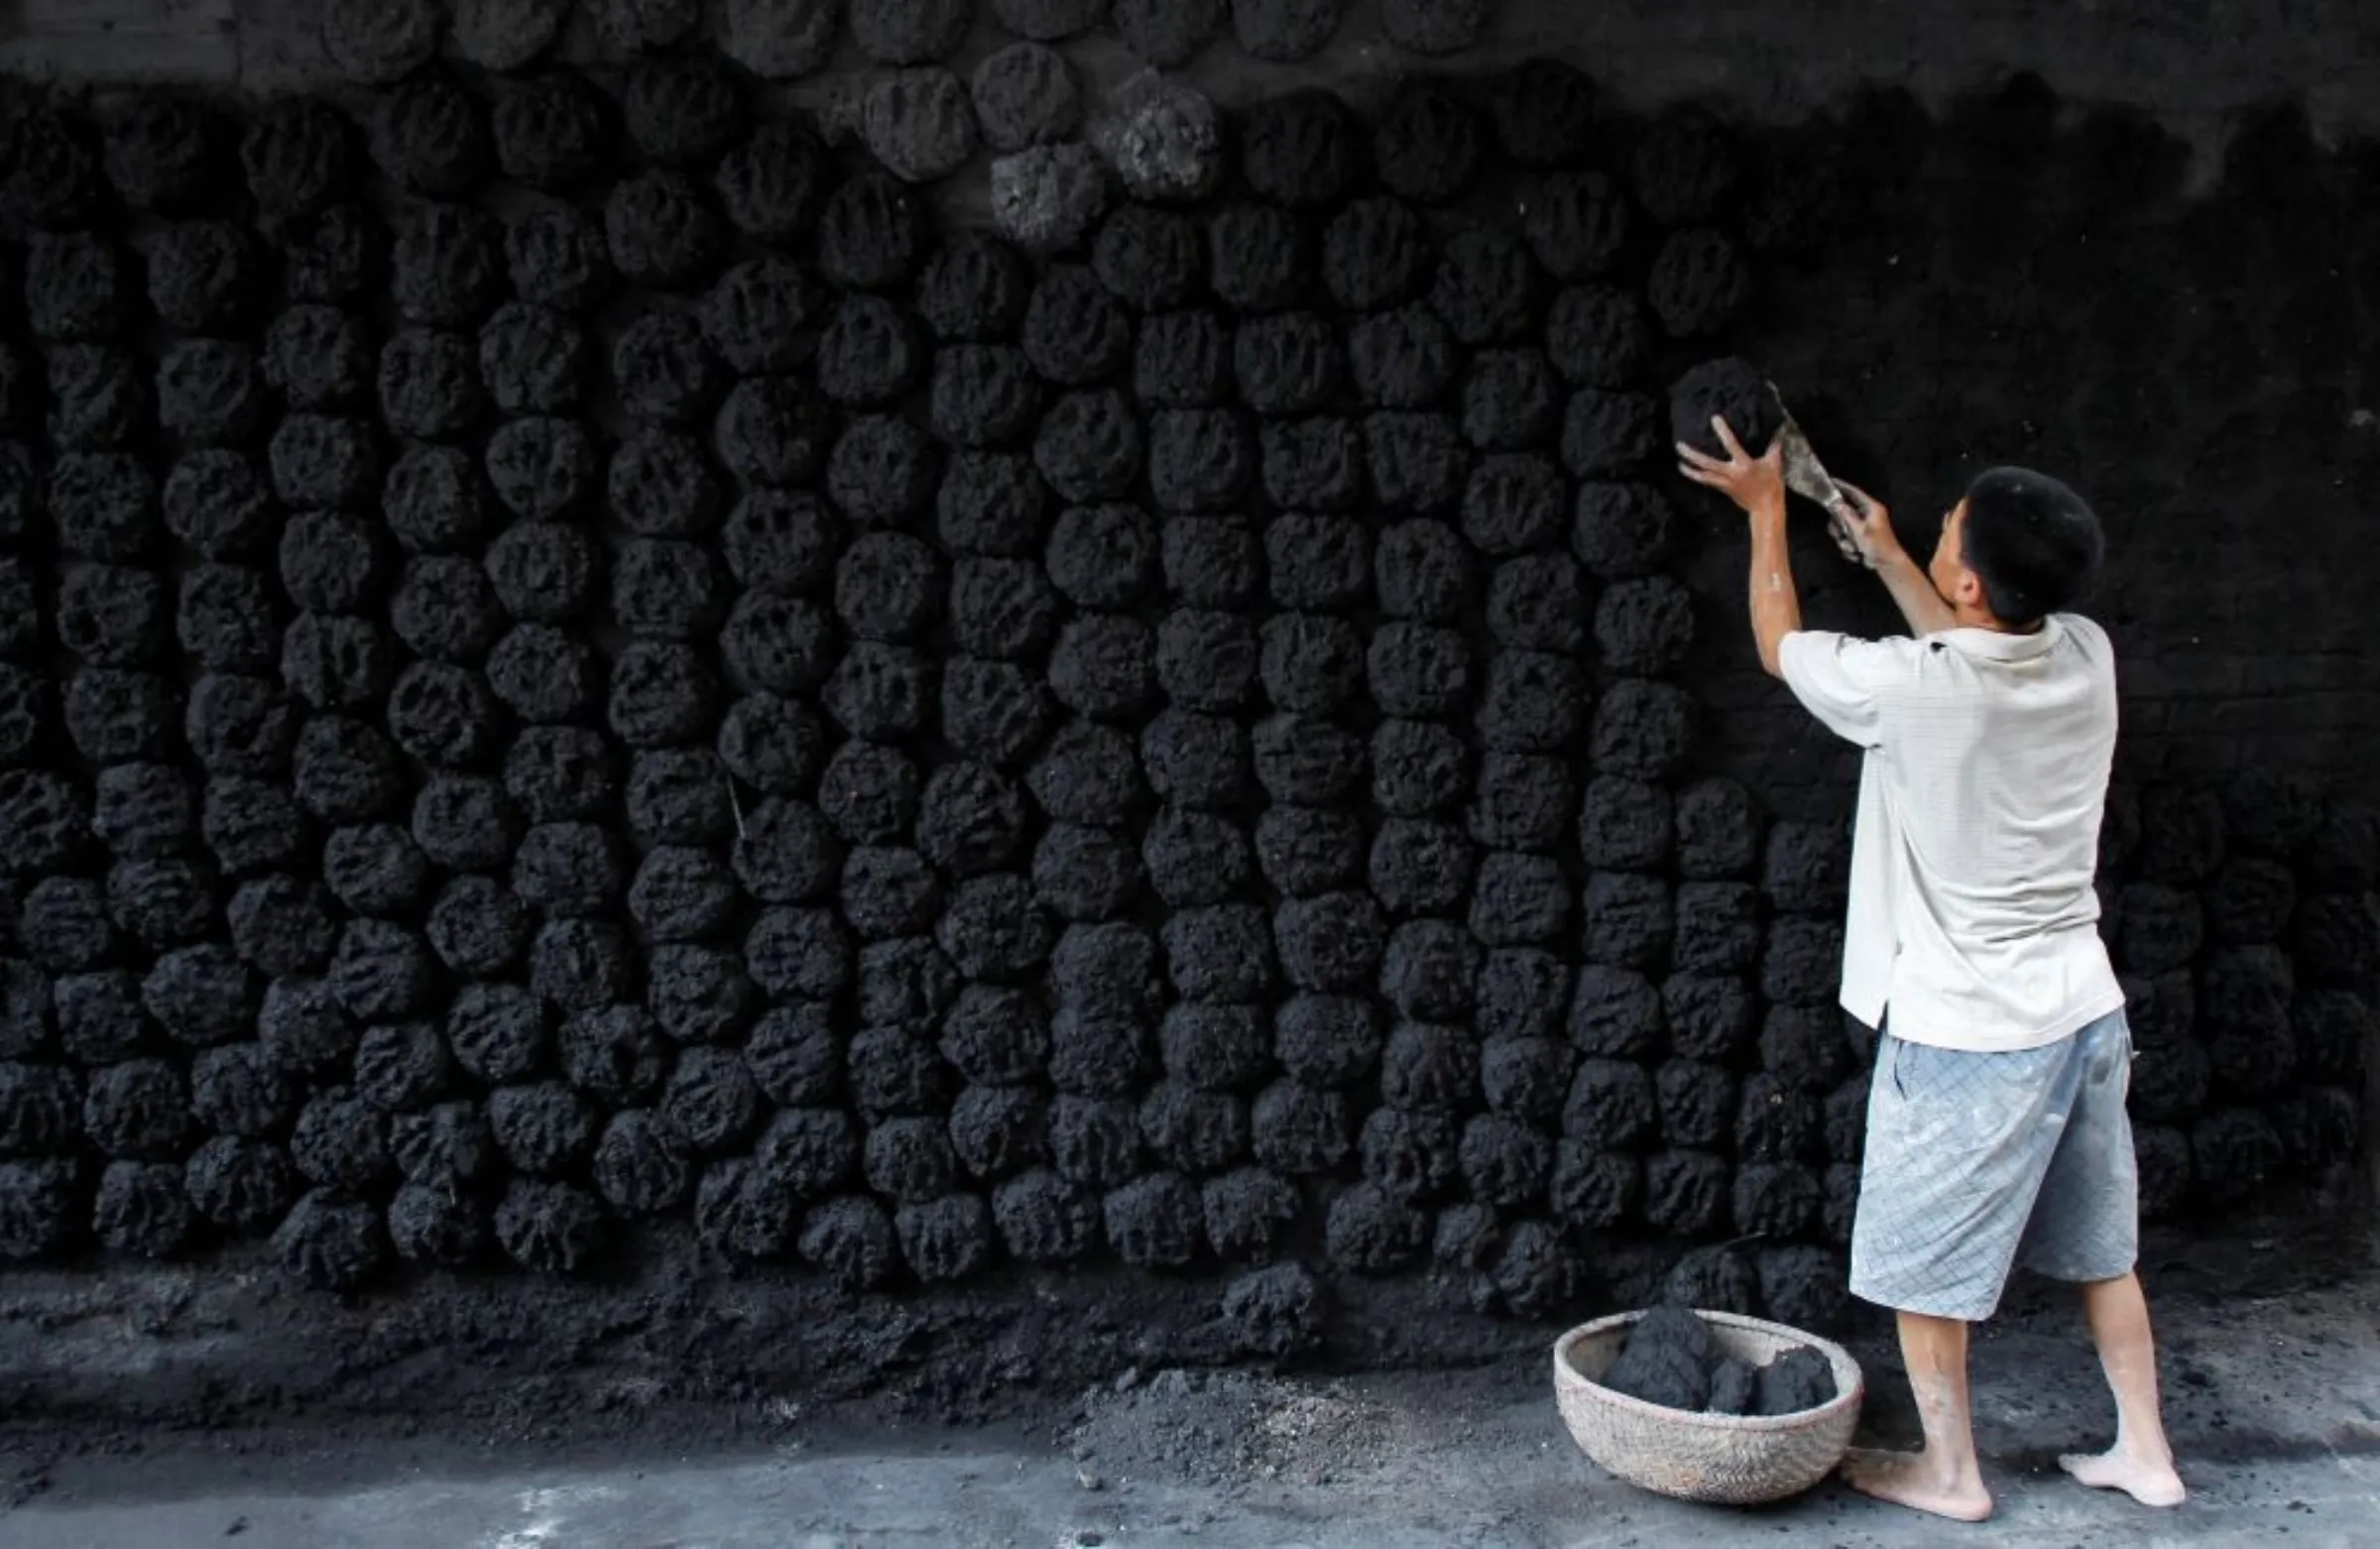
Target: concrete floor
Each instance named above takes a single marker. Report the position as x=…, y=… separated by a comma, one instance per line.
x=2275, y=1405
x=998, y=1498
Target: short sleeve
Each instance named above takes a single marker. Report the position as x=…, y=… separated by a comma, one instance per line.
x=1843, y=680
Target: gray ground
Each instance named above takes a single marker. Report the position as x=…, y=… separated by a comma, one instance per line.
x=2274, y=1402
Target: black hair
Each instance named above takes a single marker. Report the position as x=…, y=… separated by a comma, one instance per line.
x=2034, y=543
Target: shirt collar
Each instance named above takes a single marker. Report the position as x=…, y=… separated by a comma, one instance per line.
x=1999, y=645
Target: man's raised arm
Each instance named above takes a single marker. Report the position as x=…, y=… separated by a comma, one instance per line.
x=1757, y=485
x=1870, y=528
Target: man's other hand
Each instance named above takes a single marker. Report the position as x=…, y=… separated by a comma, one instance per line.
x=1869, y=526
x=1758, y=484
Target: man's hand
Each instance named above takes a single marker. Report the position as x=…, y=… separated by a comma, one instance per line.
x=1869, y=526
x=1758, y=484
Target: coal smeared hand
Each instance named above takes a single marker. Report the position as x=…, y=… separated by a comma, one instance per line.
x=1758, y=484
x=1863, y=528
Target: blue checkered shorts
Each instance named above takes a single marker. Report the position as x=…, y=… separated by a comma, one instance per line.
x=1977, y=1163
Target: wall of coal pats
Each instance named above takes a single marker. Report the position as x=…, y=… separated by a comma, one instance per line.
x=599, y=689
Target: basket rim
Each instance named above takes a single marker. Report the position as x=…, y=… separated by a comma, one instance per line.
x=1845, y=1398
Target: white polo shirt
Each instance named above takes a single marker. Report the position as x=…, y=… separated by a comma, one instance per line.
x=1972, y=914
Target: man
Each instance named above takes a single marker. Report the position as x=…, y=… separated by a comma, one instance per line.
x=1996, y=1125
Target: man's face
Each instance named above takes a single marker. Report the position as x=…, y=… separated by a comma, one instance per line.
x=1948, y=568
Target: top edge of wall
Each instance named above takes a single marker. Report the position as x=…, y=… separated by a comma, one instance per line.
x=2194, y=63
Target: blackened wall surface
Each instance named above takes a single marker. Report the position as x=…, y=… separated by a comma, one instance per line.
x=598, y=689
x=2028, y=281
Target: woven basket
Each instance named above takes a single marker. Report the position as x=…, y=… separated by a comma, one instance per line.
x=1723, y=1459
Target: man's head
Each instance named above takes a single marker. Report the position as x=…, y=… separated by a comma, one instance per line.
x=2019, y=547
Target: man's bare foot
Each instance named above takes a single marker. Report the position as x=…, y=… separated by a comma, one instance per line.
x=1912, y=1480
x=2150, y=1484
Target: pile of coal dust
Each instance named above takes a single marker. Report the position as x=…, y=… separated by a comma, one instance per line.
x=1225, y=1428
x=1671, y=1359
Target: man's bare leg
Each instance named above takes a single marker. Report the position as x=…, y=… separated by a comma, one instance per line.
x=2141, y=1463
x=1945, y=1478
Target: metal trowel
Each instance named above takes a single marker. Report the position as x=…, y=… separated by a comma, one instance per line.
x=1807, y=477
